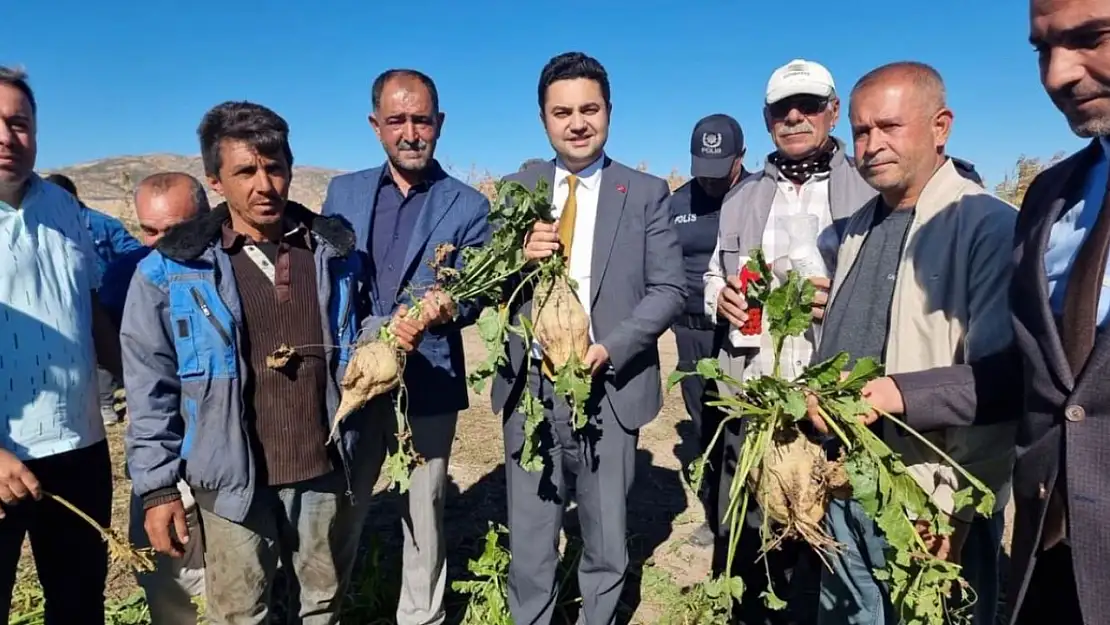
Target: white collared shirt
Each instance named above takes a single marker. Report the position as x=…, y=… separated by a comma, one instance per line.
x=582, y=246
x=586, y=193
x=811, y=198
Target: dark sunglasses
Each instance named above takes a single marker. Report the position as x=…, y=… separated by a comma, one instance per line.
x=805, y=104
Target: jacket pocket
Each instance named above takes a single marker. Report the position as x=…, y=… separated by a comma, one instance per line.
x=202, y=329
x=189, y=363
x=731, y=254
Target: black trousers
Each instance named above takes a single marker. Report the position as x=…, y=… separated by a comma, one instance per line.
x=696, y=338
x=1052, y=596
x=107, y=385
x=70, y=557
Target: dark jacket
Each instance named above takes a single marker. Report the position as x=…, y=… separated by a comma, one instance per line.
x=183, y=364
x=1065, y=424
x=455, y=213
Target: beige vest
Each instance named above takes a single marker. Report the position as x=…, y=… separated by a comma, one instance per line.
x=942, y=316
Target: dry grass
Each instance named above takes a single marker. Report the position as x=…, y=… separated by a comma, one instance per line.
x=1016, y=183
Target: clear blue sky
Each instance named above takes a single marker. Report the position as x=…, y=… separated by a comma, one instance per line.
x=122, y=77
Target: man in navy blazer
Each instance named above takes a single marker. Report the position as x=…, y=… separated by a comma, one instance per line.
x=401, y=212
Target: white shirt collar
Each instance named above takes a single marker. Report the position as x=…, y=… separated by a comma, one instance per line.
x=588, y=177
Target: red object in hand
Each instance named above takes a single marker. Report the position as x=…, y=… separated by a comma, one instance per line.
x=754, y=324
x=747, y=276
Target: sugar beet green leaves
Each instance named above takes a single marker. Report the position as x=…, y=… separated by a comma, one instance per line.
x=924, y=589
x=515, y=210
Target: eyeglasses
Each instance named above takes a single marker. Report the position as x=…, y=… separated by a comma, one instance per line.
x=805, y=104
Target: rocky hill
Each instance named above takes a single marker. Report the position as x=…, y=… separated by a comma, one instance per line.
x=106, y=184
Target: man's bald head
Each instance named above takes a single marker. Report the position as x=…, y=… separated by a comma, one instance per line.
x=165, y=200
x=921, y=78
x=900, y=126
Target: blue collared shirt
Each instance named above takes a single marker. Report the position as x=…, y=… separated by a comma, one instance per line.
x=391, y=227
x=1069, y=232
x=48, y=399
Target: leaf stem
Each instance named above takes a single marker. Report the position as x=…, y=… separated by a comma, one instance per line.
x=962, y=471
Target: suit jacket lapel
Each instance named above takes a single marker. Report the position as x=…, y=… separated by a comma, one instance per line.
x=436, y=206
x=610, y=207
x=1055, y=196
x=371, y=181
x=546, y=172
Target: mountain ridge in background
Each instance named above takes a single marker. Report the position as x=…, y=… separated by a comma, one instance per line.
x=106, y=184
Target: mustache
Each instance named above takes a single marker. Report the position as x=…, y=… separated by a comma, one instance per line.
x=412, y=146
x=801, y=127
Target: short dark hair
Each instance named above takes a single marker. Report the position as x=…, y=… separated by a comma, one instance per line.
x=253, y=124
x=164, y=181
x=18, y=78
x=63, y=182
x=571, y=65
x=387, y=75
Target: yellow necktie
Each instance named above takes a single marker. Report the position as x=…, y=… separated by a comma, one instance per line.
x=566, y=218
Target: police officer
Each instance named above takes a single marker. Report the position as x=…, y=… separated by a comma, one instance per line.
x=717, y=151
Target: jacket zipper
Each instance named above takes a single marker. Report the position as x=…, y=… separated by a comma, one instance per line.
x=346, y=312
x=207, y=312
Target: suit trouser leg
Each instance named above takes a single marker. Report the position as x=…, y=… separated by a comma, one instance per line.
x=424, y=575
x=606, y=467
x=979, y=562
x=366, y=467
x=1051, y=596
x=536, y=501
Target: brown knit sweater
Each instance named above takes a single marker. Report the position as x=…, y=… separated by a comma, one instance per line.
x=285, y=408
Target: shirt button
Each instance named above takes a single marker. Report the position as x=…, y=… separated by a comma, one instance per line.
x=1075, y=413
x=1042, y=492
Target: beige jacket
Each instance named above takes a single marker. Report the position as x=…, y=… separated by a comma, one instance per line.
x=950, y=306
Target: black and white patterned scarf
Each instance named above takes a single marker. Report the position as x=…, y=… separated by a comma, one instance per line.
x=799, y=171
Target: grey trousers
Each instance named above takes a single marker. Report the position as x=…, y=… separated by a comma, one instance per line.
x=602, y=464
x=170, y=587
x=305, y=525
x=424, y=574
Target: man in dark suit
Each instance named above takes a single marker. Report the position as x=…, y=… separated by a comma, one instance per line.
x=1062, y=477
x=401, y=212
x=1061, y=483
x=627, y=262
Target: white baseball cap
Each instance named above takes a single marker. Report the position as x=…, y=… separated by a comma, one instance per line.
x=799, y=77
